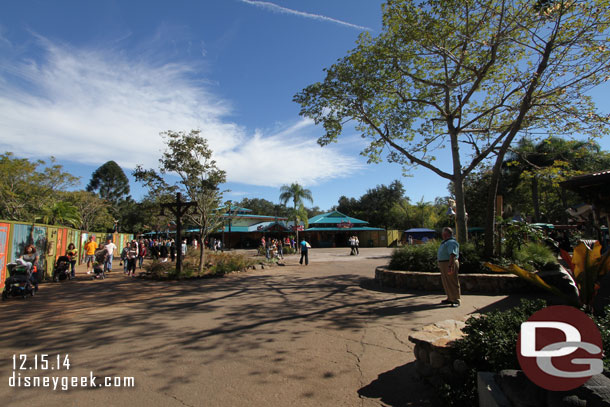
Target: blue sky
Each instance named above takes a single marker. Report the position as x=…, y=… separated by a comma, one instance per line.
x=92, y=81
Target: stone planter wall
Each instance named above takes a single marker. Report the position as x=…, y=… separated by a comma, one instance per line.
x=474, y=283
x=433, y=351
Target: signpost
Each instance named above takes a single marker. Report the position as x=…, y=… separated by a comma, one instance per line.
x=178, y=209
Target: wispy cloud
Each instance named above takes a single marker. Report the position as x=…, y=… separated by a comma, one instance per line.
x=92, y=105
x=284, y=10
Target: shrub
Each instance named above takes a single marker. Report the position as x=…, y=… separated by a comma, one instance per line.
x=489, y=344
x=217, y=264
x=420, y=257
x=536, y=256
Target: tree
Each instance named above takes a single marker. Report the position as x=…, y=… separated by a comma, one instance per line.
x=261, y=206
x=110, y=183
x=297, y=194
x=61, y=213
x=93, y=210
x=189, y=157
x=27, y=187
x=471, y=73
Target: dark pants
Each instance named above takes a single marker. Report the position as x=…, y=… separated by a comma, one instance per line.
x=73, y=268
x=304, y=253
x=131, y=266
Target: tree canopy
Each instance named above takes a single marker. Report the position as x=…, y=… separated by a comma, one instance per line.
x=110, y=183
x=466, y=75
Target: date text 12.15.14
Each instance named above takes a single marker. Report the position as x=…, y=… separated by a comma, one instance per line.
x=41, y=361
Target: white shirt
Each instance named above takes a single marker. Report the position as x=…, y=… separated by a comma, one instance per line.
x=110, y=248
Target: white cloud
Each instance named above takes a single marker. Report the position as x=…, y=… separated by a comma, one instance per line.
x=284, y=10
x=91, y=106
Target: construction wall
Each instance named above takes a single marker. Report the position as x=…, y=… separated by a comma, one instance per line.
x=50, y=242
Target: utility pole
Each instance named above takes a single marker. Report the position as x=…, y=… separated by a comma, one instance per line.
x=178, y=209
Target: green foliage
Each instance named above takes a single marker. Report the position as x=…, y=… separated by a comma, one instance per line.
x=419, y=257
x=535, y=256
x=217, y=264
x=261, y=206
x=28, y=189
x=110, y=183
x=476, y=74
x=489, y=345
x=517, y=234
x=422, y=257
x=189, y=156
x=61, y=213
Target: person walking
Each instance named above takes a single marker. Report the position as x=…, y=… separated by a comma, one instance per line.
x=141, y=254
x=304, y=252
x=72, y=254
x=90, y=248
x=448, y=262
x=110, y=248
x=132, y=255
x=357, y=245
x=352, y=245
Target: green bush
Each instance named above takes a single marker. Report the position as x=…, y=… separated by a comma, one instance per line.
x=419, y=257
x=422, y=257
x=489, y=344
x=217, y=264
x=536, y=256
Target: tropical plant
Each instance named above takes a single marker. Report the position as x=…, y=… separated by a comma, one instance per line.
x=61, y=213
x=297, y=194
x=586, y=268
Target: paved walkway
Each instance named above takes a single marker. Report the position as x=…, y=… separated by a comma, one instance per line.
x=321, y=335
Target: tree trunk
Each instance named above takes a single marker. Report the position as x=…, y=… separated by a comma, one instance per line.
x=535, y=199
x=490, y=212
x=460, y=201
x=201, y=255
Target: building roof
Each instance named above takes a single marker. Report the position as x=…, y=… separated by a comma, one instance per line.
x=354, y=229
x=335, y=217
x=420, y=230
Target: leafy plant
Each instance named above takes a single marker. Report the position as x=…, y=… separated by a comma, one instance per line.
x=536, y=256
x=489, y=344
x=587, y=267
x=420, y=257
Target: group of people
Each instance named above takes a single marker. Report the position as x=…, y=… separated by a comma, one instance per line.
x=132, y=255
x=275, y=247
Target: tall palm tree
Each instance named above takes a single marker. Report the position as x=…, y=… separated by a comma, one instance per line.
x=61, y=213
x=297, y=194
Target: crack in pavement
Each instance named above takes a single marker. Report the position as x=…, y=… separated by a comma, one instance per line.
x=177, y=399
x=407, y=344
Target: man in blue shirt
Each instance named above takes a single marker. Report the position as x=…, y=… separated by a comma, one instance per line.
x=448, y=262
x=304, y=252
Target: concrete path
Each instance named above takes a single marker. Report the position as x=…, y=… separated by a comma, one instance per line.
x=321, y=335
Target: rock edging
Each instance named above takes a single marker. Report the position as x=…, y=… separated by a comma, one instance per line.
x=475, y=283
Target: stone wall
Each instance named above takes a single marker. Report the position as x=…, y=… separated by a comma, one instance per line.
x=433, y=351
x=474, y=283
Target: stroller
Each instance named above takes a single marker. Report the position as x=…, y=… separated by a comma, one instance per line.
x=99, y=266
x=18, y=282
x=61, y=271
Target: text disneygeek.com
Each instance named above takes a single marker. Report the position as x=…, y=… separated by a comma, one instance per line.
x=59, y=362
x=65, y=383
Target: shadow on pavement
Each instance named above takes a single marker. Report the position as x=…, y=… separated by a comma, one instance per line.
x=400, y=387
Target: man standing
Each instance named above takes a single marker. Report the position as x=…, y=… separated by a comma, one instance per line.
x=304, y=252
x=448, y=263
x=90, y=248
x=110, y=248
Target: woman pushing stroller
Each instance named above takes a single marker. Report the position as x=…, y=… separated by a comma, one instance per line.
x=30, y=260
